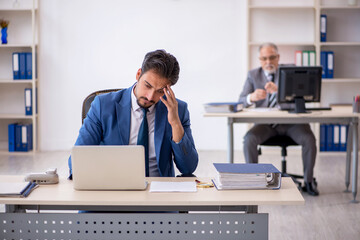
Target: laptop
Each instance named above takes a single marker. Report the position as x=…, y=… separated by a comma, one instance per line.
x=104, y=167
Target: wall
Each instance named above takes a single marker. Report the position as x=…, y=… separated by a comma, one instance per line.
x=86, y=45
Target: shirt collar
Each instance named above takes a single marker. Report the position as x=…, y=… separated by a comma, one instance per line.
x=267, y=75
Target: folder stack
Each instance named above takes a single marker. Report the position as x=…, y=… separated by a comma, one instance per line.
x=246, y=176
x=223, y=107
x=333, y=137
x=22, y=65
x=305, y=58
x=20, y=137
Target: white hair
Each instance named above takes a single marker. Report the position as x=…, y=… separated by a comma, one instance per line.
x=269, y=44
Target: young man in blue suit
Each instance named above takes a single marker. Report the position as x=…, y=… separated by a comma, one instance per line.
x=260, y=89
x=115, y=118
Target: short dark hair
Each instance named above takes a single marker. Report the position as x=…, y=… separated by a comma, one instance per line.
x=162, y=63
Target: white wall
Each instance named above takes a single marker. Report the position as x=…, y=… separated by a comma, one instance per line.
x=86, y=45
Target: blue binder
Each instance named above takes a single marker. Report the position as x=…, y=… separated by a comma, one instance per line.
x=323, y=137
x=29, y=136
x=323, y=62
x=24, y=137
x=11, y=137
x=336, y=136
x=330, y=138
x=18, y=138
x=323, y=26
x=22, y=65
x=330, y=64
x=15, y=65
x=222, y=107
x=28, y=65
x=343, y=137
x=248, y=168
x=28, y=101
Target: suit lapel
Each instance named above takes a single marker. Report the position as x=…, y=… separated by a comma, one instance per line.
x=123, y=114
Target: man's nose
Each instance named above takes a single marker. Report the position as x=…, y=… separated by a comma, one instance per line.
x=151, y=95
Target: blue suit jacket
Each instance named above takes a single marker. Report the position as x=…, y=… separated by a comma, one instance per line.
x=108, y=123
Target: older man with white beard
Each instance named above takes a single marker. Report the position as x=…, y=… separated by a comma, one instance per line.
x=260, y=89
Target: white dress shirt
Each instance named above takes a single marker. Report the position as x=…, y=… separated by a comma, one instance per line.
x=136, y=119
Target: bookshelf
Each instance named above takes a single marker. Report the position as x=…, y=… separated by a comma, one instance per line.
x=22, y=37
x=295, y=25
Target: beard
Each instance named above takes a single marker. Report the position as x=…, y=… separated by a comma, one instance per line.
x=143, y=105
x=270, y=68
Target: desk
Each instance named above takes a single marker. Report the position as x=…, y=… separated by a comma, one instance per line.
x=218, y=224
x=340, y=115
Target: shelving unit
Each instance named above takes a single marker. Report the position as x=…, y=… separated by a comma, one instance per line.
x=22, y=37
x=343, y=37
x=295, y=25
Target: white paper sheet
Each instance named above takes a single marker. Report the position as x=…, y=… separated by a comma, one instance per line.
x=7, y=188
x=262, y=109
x=173, y=187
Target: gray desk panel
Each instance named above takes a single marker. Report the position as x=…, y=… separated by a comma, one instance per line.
x=133, y=226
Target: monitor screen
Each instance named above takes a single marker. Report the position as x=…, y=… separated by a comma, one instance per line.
x=299, y=85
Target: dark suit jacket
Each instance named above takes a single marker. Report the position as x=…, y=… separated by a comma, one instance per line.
x=108, y=123
x=256, y=79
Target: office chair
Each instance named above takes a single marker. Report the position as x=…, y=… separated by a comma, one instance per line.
x=283, y=142
x=90, y=98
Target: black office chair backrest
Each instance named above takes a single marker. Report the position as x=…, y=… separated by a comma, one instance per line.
x=88, y=100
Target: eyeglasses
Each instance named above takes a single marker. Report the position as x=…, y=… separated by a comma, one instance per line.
x=271, y=58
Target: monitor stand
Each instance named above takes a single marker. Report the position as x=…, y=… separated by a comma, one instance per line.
x=299, y=106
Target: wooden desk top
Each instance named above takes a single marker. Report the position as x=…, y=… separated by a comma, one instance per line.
x=64, y=194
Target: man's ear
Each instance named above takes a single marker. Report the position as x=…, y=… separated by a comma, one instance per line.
x=138, y=74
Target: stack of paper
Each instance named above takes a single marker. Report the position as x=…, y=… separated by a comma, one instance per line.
x=173, y=186
x=223, y=107
x=242, y=181
x=246, y=176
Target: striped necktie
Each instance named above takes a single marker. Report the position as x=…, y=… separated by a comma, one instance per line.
x=272, y=97
x=143, y=139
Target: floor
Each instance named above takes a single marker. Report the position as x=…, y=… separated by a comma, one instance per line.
x=328, y=216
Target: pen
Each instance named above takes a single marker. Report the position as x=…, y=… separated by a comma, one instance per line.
x=200, y=184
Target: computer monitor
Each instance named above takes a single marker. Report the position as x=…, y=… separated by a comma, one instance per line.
x=299, y=85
